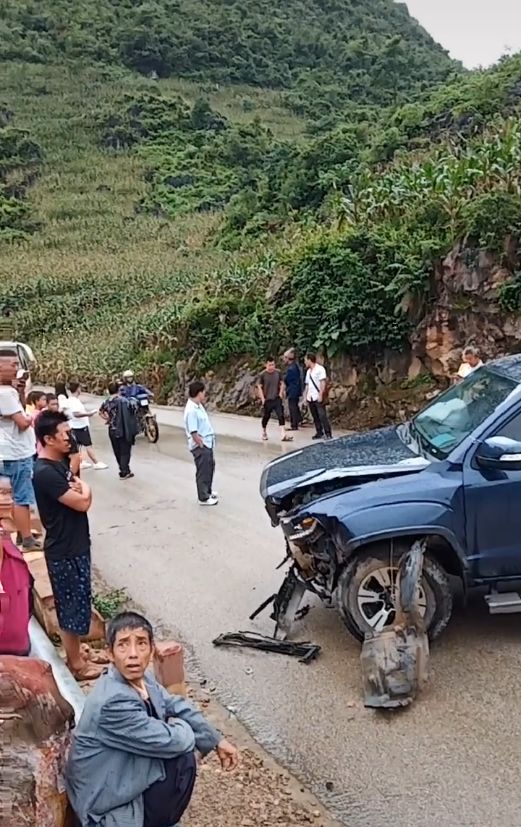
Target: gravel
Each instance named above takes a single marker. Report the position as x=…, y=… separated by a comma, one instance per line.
x=253, y=796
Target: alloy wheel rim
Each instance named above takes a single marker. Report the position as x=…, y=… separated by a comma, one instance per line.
x=376, y=598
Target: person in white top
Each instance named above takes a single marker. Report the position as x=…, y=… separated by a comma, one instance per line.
x=17, y=446
x=315, y=395
x=79, y=420
x=470, y=361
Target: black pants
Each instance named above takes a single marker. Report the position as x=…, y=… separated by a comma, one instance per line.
x=295, y=416
x=122, y=450
x=319, y=414
x=273, y=406
x=166, y=801
x=205, y=469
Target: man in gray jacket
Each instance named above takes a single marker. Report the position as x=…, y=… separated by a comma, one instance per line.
x=132, y=760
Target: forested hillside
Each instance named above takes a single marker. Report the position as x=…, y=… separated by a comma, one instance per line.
x=168, y=220
x=325, y=52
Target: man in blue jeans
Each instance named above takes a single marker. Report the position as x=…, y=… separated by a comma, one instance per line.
x=17, y=447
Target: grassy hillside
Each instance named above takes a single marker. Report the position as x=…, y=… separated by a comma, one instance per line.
x=324, y=51
x=147, y=221
x=99, y=271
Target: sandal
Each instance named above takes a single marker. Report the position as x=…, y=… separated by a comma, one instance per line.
x=287, y=439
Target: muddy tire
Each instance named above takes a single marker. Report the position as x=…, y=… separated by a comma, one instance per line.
x=151, y=429
x=364, y=603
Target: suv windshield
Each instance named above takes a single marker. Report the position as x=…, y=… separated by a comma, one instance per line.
x=453, y=416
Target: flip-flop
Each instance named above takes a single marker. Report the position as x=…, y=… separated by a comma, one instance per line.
x=287, y=439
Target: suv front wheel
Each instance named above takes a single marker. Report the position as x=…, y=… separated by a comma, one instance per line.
x=367, y=589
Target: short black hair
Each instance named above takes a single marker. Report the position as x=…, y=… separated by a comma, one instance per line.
x=195, y=388
x=130, y=621
x=47, y=424
x=50, y=397
x=34, y=396
x=113, y=387
x=60, y=389
x=270, y=358
x=73, y=386
x=311, y=356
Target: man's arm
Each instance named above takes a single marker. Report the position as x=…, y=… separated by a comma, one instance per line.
x=78, y=500
x=260, y=390
x=191, y=427
x=125, y=725
x=207, y=738
x=11, y=408
x=22, y=420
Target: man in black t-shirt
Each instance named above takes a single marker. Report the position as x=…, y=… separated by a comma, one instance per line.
x=270, y=389
x=63, y=501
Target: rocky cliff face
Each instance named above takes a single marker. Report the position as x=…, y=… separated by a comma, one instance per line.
x=375, y=388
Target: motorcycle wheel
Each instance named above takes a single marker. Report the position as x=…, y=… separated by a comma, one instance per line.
x=151, y=429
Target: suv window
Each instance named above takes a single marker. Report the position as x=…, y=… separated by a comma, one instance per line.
x=454, y=415
x=512, y=429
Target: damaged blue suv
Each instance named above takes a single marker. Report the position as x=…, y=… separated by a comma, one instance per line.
x=350, y=508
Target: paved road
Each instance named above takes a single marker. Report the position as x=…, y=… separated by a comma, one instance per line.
x=450, y=761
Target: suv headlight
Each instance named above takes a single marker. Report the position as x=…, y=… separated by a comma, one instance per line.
x=301, y=530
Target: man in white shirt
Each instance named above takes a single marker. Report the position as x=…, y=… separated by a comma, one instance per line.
x=17, y=447
x=471, y=361
x=201, y=442
x=316, y=382
x=79, y=422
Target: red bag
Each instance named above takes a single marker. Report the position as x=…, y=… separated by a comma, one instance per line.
x=15, y=599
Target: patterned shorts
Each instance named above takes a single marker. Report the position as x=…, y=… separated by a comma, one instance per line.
x=71, y=587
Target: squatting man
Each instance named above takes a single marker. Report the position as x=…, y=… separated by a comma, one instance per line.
x=133, y=756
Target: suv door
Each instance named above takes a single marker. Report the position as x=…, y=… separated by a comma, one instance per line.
x=493, y=512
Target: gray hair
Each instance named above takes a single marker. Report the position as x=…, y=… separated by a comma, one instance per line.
x=290, y=353
x=471, y=350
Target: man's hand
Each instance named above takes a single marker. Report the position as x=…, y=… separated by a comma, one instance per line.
x=228, y=755
x=76, y=485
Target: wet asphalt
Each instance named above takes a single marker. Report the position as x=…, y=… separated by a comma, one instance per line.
x=451, y=760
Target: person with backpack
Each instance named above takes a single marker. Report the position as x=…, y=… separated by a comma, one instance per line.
x=316, y=396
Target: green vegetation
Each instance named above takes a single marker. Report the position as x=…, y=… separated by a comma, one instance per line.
x=20, y=159
x=146, y=221
x=110, y=603
x=325, y=53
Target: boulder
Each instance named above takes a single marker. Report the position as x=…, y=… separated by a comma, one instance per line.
x=35, y=724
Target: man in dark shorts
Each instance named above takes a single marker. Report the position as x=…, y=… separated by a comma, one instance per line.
x=132, y=759
x=63, y=501
x=79, y=418
x=270, y=388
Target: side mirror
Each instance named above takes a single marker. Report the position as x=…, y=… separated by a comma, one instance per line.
x=499, y=453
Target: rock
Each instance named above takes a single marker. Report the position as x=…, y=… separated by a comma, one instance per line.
x=35, y=724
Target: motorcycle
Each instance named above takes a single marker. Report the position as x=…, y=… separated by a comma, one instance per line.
x=147, y=421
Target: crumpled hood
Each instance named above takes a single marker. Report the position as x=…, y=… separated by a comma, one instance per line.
x=372, y=453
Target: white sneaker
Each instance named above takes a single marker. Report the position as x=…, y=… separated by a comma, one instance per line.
x=100, y=466
x=84, y=464
x=215, y=495
x=210, y=501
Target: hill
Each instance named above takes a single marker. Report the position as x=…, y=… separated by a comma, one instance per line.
x=325, y=52
x=177, y=225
